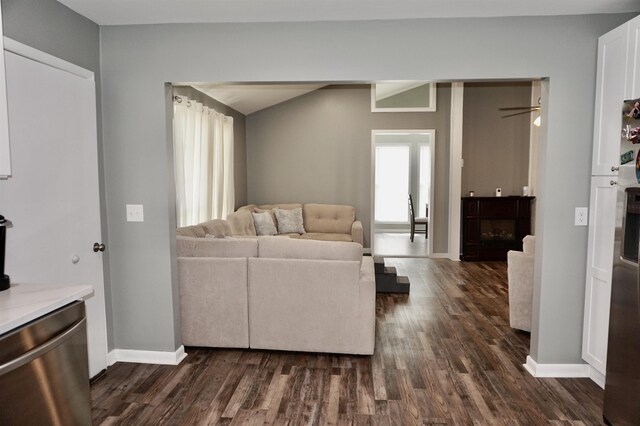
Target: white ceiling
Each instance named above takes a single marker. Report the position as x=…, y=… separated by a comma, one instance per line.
x=125, y=12
x=249, y=98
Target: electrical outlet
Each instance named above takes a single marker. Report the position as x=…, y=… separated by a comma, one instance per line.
x=135, y=213
x=582, y=216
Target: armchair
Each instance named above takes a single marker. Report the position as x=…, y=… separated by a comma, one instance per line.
x=520, y=275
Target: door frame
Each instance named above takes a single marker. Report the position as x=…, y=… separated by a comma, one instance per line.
x=430, y=227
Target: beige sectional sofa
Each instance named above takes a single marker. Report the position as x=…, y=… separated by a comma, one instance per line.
x=325, y=222
x=276, y=293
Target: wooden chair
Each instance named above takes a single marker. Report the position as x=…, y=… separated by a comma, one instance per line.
x=417, y=221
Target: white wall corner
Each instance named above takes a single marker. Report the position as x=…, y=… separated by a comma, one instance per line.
x=557, y=370
x=147, y=357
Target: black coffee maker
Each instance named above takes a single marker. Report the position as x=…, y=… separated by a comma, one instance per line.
x=4, y=279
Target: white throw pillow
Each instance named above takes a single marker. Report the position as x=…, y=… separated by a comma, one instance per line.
x=264, y=224
x=290, y=221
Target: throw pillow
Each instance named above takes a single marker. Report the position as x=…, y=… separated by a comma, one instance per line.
x=290, y=221
x=270, y=211
x=264, y=224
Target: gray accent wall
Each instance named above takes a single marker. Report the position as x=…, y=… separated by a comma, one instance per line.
x=51, y=27
x=239, y=138
x=138, y=60
x=495, y=149
x=316, y=148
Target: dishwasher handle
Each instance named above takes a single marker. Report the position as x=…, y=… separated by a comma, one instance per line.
x=34, y=353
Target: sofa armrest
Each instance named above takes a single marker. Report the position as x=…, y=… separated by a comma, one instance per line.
x=367, y=305
x=357, y=234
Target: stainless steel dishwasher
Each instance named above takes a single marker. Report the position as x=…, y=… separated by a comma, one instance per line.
x=44, y=374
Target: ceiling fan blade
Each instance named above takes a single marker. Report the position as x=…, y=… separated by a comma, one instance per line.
x=519, y=113
x=532, y=107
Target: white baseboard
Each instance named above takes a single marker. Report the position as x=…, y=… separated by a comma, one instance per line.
x=556, y=370
x=564, y=370
x=147, y=357
x=597, y=377
x=439, y=256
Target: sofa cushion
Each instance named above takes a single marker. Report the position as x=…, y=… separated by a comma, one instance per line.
x=294, y=248
x=264, y=223
x=329, y=218
x=326, y=237
x=217, y=247
x=241, y=223
x=290, y=221
x=283, y=206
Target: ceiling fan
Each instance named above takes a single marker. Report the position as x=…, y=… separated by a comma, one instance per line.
x=522, y=110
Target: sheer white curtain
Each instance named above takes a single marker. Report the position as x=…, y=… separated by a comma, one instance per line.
x=203, y=152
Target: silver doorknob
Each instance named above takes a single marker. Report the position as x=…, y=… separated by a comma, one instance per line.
x=613, y=182
x=98, y=247
x=614, y=168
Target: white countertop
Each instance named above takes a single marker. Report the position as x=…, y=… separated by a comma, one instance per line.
x=25, y=302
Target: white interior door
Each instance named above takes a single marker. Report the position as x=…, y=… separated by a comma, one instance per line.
x=52, y=197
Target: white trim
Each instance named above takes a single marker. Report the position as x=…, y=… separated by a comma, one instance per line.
x=455, y=169
x=432, y=99
x=29, y=52
x=432, y=145
x=147, y=357
x=440, y=256
x=556, y=370
x=597, y=377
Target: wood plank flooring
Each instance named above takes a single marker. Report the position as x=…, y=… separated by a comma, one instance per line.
x=445, y=355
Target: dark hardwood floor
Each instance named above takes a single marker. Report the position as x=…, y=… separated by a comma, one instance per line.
x=444, y=355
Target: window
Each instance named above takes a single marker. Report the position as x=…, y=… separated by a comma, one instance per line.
x=392, y=183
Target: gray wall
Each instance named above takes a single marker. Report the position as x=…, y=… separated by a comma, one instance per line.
x=495, y=149
x=239, y=138
x=317, y=148
x=49, y=26
x=138, y=60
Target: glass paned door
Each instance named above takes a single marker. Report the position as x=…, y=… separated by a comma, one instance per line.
x=392, y=164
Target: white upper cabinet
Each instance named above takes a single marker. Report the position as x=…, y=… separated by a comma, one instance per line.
x=633, y=67
x=611, y=82
x=5, y=154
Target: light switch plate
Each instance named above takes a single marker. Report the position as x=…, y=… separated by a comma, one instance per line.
x=582, y=216
x=135, y=213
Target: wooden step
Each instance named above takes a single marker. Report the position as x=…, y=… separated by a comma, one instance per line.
x=390, y=270
x=378, y=263
x=391, y=283
x=387, y=279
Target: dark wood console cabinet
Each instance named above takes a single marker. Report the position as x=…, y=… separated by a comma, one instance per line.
x=491, y=226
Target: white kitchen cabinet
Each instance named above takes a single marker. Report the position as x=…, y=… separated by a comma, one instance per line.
x=618, y=78
x=599, y=268
x=611, y=80
x=633, y=65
